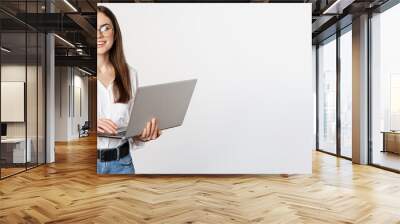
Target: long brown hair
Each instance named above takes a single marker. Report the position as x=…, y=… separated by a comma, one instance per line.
x=122, y=84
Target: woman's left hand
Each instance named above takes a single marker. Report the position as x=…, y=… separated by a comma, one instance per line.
x=150, y=132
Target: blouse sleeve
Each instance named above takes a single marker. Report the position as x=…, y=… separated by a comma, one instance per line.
x=134, y=144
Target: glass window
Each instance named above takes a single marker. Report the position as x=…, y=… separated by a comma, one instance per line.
x=346, y=94
x=22, y=91
x=327, y=96
x=385, y=87
x=31, y=97
x=13, y=86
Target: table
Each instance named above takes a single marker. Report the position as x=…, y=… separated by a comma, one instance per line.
x=13, y=150
x=391, y=141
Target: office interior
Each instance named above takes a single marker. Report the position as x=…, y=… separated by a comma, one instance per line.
x=48, y=81
x=49, y=67
x=336, y=84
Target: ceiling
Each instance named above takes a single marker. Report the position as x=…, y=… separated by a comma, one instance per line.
x=76, y=26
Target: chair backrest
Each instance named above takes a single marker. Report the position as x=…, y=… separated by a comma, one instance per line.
x=86, y=125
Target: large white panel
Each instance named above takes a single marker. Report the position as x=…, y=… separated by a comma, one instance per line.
x=252, y=109
x=12, y=101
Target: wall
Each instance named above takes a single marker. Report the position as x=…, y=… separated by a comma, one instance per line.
x=68, y=82
x=80, y=109
x=252, y=108
x=61, y=103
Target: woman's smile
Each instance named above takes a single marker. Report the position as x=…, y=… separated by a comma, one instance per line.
x=100, y=43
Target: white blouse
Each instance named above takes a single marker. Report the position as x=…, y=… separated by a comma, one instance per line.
x=119, y=113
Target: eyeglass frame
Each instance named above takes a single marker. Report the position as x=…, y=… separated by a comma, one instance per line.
x=105, y=25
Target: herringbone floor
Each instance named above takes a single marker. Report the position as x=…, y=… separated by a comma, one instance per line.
x=70, y=191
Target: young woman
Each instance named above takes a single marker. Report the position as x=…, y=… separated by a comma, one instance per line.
x=116, y=86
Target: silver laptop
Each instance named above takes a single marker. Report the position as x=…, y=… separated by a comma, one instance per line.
x=168, y=102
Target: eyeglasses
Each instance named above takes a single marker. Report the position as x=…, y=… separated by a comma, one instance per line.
x=105, y=30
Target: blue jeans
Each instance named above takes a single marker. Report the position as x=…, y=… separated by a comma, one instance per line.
x=122, y=166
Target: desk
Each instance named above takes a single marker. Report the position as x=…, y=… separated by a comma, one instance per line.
x=13, y=150
x=391, y=141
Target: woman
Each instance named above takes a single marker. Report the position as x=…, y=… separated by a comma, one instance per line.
x=116, y=86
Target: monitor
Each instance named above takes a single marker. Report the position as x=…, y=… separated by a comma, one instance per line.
x=3, y=129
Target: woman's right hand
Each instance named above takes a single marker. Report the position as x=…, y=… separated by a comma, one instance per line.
x=106, y=126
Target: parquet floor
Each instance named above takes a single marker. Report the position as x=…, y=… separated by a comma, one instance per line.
x=70, y=191
x=10, y=171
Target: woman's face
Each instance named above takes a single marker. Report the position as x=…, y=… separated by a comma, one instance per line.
x=105, y=33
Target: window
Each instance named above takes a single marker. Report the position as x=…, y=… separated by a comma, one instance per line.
x=346, y=93
x=327, y=96
x=23, y=89
x=385, y=89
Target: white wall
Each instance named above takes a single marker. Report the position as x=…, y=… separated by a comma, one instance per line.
x=61, y=103
x=80, y=84
x=252, y=109
x=66, y=121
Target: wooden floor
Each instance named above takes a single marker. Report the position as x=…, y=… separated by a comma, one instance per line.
x=5, y=172
x=70, y=191
x=8, y=171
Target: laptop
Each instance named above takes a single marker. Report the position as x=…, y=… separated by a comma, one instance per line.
x=168, y=102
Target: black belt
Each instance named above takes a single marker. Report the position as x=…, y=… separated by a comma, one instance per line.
x=106, y=155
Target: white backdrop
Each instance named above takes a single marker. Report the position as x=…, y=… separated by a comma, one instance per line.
x=252, y=108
